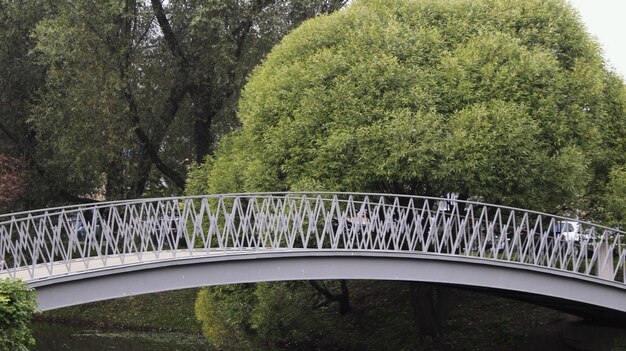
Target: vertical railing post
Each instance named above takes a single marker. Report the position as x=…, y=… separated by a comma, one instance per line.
x=605, y=260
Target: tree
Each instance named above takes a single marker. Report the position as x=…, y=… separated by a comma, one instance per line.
x=20, y=78
x=276, y=315
x=114, y=98
x=17, y=305
x=486, y=99
x=616, y=197
x=225, y=315
x=501, y=101
x=12, y=181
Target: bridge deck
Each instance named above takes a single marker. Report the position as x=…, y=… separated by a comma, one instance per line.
x=40, y=272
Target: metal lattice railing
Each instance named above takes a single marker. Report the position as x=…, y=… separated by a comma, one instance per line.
x=66, y=240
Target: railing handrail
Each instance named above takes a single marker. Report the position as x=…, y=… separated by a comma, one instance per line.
x=54, y=211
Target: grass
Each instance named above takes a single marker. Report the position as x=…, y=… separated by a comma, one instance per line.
x=166, y=311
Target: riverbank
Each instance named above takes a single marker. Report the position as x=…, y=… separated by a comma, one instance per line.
x=171, y=311
x=63, y=337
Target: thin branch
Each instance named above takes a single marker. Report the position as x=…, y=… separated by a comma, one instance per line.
x=323, y=291
x=343, y=298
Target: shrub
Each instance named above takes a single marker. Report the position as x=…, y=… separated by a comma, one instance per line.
x=17, y=305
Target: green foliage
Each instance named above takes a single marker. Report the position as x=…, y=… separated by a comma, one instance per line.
x=113, y=99
x=506, y=101
x=269, y=316
x=290, y=315
x=616, y=196
x=17, y=305
x=225, y=314
x=20, y=78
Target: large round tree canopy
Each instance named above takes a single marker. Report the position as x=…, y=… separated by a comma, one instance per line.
x=508, y=101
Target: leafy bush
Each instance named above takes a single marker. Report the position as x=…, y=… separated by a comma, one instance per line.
x=279, y=315
x=17, y=304
x=225, y=314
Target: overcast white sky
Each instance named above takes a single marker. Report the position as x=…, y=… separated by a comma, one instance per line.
x=606, y=20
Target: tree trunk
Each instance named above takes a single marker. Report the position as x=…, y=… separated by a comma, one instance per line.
x=431, y=305
x=342, y=298
x=204, y=113
x=114, y=188
x=144, y=166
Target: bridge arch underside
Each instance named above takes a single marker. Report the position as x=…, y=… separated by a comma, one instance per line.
x=585, y=296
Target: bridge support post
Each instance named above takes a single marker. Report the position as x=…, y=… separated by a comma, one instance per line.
x=605, y=262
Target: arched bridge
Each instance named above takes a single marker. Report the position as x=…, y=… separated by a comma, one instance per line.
x=77, y=254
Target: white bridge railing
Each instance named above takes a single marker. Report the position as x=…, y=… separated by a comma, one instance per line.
x=67, y=240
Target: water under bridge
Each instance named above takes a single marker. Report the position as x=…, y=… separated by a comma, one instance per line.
x=78, y=254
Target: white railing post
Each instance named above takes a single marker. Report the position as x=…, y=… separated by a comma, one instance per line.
x=605, y=260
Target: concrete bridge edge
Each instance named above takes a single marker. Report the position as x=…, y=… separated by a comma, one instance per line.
x=253, y=267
